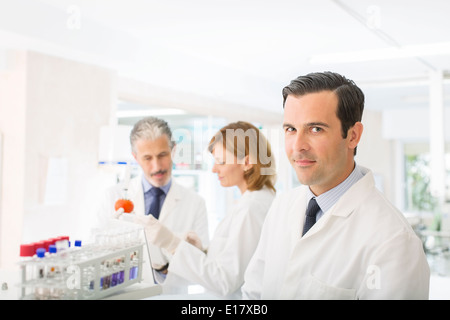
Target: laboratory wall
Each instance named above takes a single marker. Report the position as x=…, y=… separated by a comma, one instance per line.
x=13, y=154
x=51, y=110
x=377, y=153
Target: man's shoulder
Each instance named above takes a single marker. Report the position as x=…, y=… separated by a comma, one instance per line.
x=290, y=194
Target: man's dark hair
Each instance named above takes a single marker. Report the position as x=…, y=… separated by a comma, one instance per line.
x=350, y=96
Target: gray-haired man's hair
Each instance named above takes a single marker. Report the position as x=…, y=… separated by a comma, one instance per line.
x=150, y=128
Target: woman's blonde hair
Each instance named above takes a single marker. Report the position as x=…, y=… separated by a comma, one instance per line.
x=244, y=139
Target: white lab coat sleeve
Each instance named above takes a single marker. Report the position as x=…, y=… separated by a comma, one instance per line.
x=222, y=273
x=398, y=270
x=252, y=287
x=201, y=222
x=254, y=274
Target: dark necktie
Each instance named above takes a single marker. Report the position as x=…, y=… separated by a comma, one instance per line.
x=311, y=213
x=155, y=206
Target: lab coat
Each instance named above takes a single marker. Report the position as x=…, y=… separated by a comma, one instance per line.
x=183, y=210
x=362, y=248
x=221, y=270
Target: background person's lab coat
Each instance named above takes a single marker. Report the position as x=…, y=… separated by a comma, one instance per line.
x=183, y=210
x=362, y=248
x=221, y=270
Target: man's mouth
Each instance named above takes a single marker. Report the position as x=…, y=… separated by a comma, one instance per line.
x=304, y=162
x=159, y=173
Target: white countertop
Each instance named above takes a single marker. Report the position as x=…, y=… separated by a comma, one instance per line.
x=439, y=287
x=135, y=291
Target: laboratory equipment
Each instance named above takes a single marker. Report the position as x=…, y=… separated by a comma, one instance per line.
x=57, y=271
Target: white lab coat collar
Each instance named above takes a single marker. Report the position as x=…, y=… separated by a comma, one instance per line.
x=172, y=198
x=354, y=195
x=346, y=204
x=136, y=193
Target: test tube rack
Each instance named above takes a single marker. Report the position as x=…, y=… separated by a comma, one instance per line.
x=90, y=273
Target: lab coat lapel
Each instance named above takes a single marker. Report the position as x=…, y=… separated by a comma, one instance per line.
x=171, y=201
x=297, y=216
x=353, y=197
x=297, y=213
x=347, y=204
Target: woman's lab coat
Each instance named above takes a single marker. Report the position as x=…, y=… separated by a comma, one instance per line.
x=362, y=248
x=221, y=270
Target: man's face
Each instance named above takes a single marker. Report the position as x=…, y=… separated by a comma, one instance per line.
x=155, y=159
x=314, y=145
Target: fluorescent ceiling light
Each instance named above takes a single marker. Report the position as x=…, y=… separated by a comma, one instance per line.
x=384, y=54
x=149, y=112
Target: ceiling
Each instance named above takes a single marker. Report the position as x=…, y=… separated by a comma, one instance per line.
x=241, y=52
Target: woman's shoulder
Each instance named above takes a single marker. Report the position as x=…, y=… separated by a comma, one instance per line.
x=261, y=193
x=258, y=198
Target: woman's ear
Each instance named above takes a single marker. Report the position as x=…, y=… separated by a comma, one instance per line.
x=247, y=164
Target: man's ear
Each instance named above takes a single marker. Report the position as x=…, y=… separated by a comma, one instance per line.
x=355, y=134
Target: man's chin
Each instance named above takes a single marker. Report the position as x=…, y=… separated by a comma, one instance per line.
x=159, y=181
x=303, y=179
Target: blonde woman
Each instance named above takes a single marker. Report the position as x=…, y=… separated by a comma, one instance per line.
x=242, y=158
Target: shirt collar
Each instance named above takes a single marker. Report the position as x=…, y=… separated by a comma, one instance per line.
x=328, y=199
x=147, y=185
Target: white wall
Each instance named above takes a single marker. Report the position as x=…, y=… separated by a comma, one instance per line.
x=414, y=127
x=12, y=183
x=51, y=111
x=377, y=153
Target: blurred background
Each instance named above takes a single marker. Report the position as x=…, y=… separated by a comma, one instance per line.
x=76, y=75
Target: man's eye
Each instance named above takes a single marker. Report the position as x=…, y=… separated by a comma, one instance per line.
x=316, y=129
x=289, y=129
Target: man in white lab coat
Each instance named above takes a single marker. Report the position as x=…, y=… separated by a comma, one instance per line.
x=355, y=245
x=178, y=207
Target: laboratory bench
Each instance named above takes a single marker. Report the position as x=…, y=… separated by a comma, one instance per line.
x=10, y=289
x=9, y=280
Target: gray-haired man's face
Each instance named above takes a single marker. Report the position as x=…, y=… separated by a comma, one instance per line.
x=155, y=159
